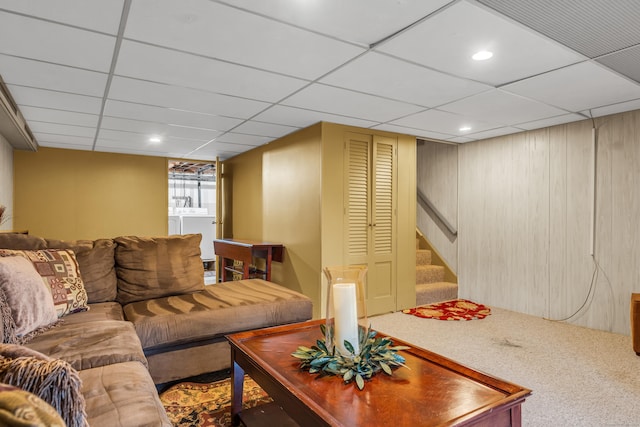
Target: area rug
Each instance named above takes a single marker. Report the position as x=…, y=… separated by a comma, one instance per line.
x=207, y=404
x=459, y=309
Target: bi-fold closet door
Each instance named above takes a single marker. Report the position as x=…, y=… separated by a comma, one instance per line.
x=371, y=214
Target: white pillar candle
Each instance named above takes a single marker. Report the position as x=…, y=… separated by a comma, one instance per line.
x=346, y=316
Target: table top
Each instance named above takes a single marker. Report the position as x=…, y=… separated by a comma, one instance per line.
x=433, y=389
x=248, y=243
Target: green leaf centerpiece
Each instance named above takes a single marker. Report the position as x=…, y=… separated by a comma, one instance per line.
x=376, y=354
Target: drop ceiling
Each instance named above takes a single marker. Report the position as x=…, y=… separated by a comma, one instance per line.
x=217, y=78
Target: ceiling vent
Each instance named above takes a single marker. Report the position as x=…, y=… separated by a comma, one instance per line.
x=12, y=125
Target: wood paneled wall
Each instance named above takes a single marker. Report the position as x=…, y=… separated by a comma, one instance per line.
x=437, y=179
x=525, y=221
x=6, y=182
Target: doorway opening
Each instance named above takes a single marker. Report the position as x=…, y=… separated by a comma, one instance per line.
x=192, y=206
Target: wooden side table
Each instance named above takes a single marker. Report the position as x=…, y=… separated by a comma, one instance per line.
x=246, y=250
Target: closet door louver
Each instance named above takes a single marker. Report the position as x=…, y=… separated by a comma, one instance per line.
x=383, y=208
x=358, y=201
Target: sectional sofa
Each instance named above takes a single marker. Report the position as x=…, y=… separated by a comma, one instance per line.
x=130, y=313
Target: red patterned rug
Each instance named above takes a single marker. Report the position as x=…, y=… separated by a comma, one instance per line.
x=190, y=404
x=459, y=309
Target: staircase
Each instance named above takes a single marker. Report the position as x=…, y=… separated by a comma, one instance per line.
x=430, y=278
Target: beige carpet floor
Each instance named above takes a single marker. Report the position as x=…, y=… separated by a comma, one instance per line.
x=579, y=376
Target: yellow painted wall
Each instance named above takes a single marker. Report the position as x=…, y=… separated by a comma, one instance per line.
x=242, y=178
x=290, y=191
x=6, y=183
x=276, y=198
x=72, y=194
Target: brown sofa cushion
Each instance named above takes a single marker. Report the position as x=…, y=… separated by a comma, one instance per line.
x=215, y=311
x=154, y=267
x=21, y=241
x=29, y=300
x=98, y=311
x=97, y=266
x=122, y=395
x=91, y=344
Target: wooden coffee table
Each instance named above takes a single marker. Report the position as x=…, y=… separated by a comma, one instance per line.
x=434, y=391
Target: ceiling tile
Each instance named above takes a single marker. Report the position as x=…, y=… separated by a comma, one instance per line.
x=37, y=114
x=360, y=21
x=182, y=69
x=297, y=117
x=171, y=151
x=578, y=87
x=626, y=62
x=460, y=139
x=552, y=121
x=444, y=122
x=244, y=139
x=213, y=151
x=138, y=141
x=26, y=72
x=205, y=27
x=169, y=116
x=592, y=27
x=25, y=96
x=347, y=103
x=58, y=43
x=162, y=130
x=464, y=29
x=60, y=129
x=264, y=129
x=176, y=97
x=382, y=75
x=492, y=133
x=500, y=107
x=419, y=133
x=613, y=109
x=63, y=141
x=96, y=15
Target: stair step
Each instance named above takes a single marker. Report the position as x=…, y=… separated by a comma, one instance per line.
x=429, y=293
x=429, y=274
x=423, y=257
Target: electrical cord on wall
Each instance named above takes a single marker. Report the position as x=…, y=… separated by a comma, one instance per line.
x=594, y=277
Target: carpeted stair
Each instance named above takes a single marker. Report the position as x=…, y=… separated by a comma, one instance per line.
x=430, y=284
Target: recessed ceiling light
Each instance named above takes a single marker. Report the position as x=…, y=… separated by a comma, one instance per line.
x=465, y=128
x=155, y=139
x=482, y=55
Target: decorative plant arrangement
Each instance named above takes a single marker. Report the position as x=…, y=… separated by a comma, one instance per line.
x=376, y=354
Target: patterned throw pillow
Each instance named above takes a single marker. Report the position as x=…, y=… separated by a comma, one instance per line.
x=59, y=270
x=22, y=408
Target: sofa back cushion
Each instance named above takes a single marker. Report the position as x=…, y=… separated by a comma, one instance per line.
x=29, y=300
x=21, y=241
x=154, y=267
x=97, y=266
